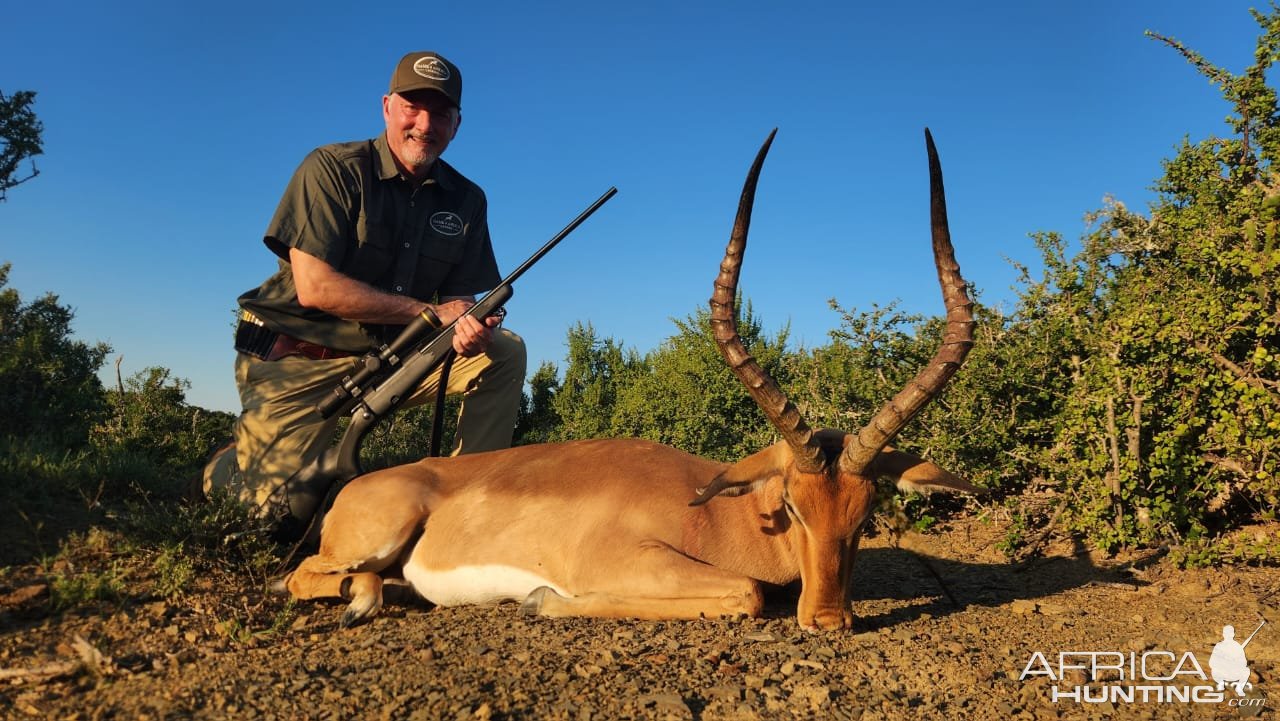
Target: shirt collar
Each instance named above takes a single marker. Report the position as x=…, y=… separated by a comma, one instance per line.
x=387, y=169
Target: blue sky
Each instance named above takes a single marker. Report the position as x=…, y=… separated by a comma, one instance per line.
x=172, y=128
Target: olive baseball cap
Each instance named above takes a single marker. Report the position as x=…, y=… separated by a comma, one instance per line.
x=427, y=71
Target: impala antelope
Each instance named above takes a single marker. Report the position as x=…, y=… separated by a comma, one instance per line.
x=630, y=528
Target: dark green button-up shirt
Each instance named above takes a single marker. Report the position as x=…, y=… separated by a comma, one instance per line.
x=349, y=206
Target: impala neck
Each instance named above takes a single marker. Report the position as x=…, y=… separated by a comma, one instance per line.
x=747, y=534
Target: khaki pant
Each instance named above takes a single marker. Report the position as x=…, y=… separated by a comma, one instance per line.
x=280, y=429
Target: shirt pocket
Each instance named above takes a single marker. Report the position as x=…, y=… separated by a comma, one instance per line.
x=437, y=257
x=372, y=259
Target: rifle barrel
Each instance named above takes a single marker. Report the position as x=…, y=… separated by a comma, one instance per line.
x=1255, y=633
x=560, y=236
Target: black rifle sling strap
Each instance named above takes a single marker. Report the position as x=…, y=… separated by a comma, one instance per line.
x=437, y=418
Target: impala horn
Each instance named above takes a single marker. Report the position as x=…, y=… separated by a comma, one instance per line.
x=768, y=396
x=862, y=449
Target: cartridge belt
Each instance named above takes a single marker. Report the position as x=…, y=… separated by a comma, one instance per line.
x=254, y=338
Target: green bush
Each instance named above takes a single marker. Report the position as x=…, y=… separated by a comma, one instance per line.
x=49, y=386
x=149, y=418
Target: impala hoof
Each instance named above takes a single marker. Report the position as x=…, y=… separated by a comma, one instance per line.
x=532, y=604
x=349, y=619
x=279, y=587
x=360, y=610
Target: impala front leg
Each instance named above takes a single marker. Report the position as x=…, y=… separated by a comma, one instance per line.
x=318, y=577
x=372, y=522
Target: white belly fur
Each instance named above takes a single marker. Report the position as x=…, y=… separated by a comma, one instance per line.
x=467, y=585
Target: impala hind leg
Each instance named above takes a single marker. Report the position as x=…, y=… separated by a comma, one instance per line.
x=660, y=583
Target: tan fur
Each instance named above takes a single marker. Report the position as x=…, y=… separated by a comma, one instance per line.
x=606, y=521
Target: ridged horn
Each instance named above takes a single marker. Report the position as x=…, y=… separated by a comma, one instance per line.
x=957, y=339
x=772, y=401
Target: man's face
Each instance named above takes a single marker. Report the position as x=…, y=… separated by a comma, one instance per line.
x=420, y=125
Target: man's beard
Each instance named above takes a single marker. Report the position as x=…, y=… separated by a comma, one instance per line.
x=418, y=150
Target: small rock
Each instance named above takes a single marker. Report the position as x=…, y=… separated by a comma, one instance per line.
x=1023, y=607
x=586, y=670
x=664, y=701
x=816, y=665
x=717, y=652
x=815, y=694
x=1053, y=609
x=726, y=692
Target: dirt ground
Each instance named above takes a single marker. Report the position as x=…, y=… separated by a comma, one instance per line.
x=946, y=628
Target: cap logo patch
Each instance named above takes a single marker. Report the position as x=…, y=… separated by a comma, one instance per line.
x=446, y=223
x=432, y=69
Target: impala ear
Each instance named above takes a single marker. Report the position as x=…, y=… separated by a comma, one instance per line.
x=913, y=473
x=746, y=475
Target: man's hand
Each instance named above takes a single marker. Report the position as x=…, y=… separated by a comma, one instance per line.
x=471, y=337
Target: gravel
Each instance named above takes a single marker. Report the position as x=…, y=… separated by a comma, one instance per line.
x=225, y=650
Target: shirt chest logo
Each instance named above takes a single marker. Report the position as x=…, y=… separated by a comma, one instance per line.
x=446, y=223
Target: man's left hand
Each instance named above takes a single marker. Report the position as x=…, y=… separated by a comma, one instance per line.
x=472, y=337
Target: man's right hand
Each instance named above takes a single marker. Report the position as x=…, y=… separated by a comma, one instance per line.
x=449, y=310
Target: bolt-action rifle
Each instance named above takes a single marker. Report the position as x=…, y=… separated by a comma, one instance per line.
x=383, y=381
